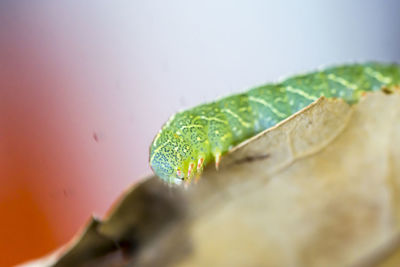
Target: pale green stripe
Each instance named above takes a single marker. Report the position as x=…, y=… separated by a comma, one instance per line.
x=268, y=105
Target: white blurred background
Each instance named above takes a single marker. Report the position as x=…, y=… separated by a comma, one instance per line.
x=85, y=86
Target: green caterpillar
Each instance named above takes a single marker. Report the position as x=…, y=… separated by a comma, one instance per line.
x=195, y=137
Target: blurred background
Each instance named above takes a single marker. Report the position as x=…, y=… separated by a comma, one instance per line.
x=85, y=86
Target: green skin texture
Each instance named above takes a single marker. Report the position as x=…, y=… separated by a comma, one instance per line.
x=209, y=130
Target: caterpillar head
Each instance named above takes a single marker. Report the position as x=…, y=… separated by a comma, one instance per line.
x=174, y=158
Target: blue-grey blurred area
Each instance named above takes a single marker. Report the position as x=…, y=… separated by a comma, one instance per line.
x=196, y=51
x=175, y=54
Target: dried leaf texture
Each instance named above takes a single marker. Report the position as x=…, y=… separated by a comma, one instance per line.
x=319, y=189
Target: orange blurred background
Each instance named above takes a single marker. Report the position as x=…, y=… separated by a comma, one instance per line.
x=85, y=85
x=69, y=137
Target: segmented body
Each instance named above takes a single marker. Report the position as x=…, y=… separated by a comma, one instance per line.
x=202, y=134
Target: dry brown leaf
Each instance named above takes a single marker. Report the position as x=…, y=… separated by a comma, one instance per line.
x=326, y=194
x=319, y=189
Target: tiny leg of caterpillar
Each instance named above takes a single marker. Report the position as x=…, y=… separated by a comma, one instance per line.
x=200, y=164
x=217, y=160
x=190, y=170
x=188, y=179
x=179, y=173
x=199, y=170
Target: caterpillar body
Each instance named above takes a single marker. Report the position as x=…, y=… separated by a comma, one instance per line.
x=195, y=137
